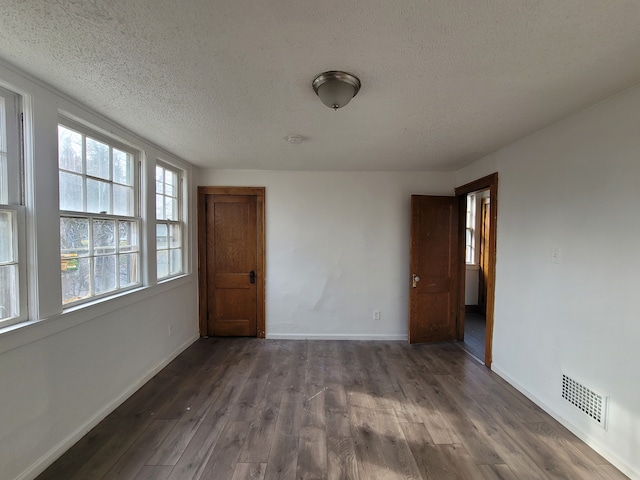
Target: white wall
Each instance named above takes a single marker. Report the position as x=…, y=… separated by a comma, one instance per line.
x=472, y=280
x=337, y=248
x=61, y=372
x=576, y=186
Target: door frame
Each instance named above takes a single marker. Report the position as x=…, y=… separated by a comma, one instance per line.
x=489, y=182
x=259, y=193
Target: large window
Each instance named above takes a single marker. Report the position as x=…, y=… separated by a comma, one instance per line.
x=99, y=215
x=168, y=221
x=12, y=273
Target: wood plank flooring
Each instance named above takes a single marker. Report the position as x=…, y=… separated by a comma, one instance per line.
x=475, y=326
x=242, y=408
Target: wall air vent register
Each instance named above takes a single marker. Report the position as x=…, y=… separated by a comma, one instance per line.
x=585, y=399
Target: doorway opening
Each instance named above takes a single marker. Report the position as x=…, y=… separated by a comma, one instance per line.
x=478, y=203
x=478, y=207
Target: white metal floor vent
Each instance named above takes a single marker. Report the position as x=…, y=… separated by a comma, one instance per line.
x=585, y=399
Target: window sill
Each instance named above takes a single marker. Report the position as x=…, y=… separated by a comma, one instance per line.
x=21, y=334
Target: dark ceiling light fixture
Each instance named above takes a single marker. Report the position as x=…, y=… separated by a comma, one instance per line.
x=335, y=88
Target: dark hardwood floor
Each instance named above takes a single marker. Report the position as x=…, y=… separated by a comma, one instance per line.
x=269, y=409
x=475, y=326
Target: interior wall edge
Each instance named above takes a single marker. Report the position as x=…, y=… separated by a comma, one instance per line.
x=568, y=424
x=61, y=447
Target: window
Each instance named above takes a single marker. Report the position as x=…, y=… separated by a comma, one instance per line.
x=99, y=215
x=470, y=230
x=168, y=221
x=12, y=271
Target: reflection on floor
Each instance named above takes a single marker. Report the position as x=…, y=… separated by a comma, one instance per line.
x=474, y=334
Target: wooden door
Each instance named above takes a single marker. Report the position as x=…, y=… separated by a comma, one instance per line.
x=231, y=270
x=485, y=231
x=433, y=292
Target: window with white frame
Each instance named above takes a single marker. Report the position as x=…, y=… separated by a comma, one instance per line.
x=13, y=292
x=470, y=230
x=169, y=227
x=99, y=215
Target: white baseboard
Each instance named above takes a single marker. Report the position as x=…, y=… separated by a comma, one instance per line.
x=336, y=336
x=56, y=452
x=573, y=428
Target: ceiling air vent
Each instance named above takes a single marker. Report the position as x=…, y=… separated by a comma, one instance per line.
x=585, y=399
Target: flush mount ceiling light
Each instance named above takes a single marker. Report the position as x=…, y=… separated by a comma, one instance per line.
x=335, y=88
x=295, y=139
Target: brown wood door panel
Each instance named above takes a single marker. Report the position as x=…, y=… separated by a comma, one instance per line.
x=485, y=231
x=231, y=249
x=434, y=259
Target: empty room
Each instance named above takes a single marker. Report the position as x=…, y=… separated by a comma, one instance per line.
x=319, y=240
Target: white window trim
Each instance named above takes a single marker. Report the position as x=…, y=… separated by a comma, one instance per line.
x=138, y=218
x=180, y=222
x=15, y=199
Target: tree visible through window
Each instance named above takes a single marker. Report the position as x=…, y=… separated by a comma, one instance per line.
x=99, y=225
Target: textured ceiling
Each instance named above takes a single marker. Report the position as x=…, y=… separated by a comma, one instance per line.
x=222, y=83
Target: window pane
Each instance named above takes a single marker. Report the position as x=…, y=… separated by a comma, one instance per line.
x=161, y=236
x=69, y=149
x=104, y=237
x=176, y=261
x=97, y=159
x=159, y=179
x=122, y=167
x=171, y=183
x=105, y=274
x=160, y=207
x=4, y=187
x=75, y=280
x=74, y=237
x=71, y=192
x=128, y=269
x=128, y=236
x=163, y=263
x=8, y=291
x=174, y=236
x=6, y=238
x=3, y=141
x=98, y=196
x=122, y=200
x=170, y=208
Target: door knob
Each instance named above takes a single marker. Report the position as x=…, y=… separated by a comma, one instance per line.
x=252, y=277
x=415, y=280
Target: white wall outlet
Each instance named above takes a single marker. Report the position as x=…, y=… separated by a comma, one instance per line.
x=555, y=255
x=376, y=314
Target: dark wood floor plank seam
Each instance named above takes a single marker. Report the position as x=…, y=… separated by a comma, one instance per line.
x=250, y=409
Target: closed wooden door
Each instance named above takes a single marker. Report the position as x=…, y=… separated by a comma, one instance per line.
x=433, y=292
x=231, y=265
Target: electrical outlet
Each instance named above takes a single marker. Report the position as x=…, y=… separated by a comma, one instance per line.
x=555, y=255
x=376, y=314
